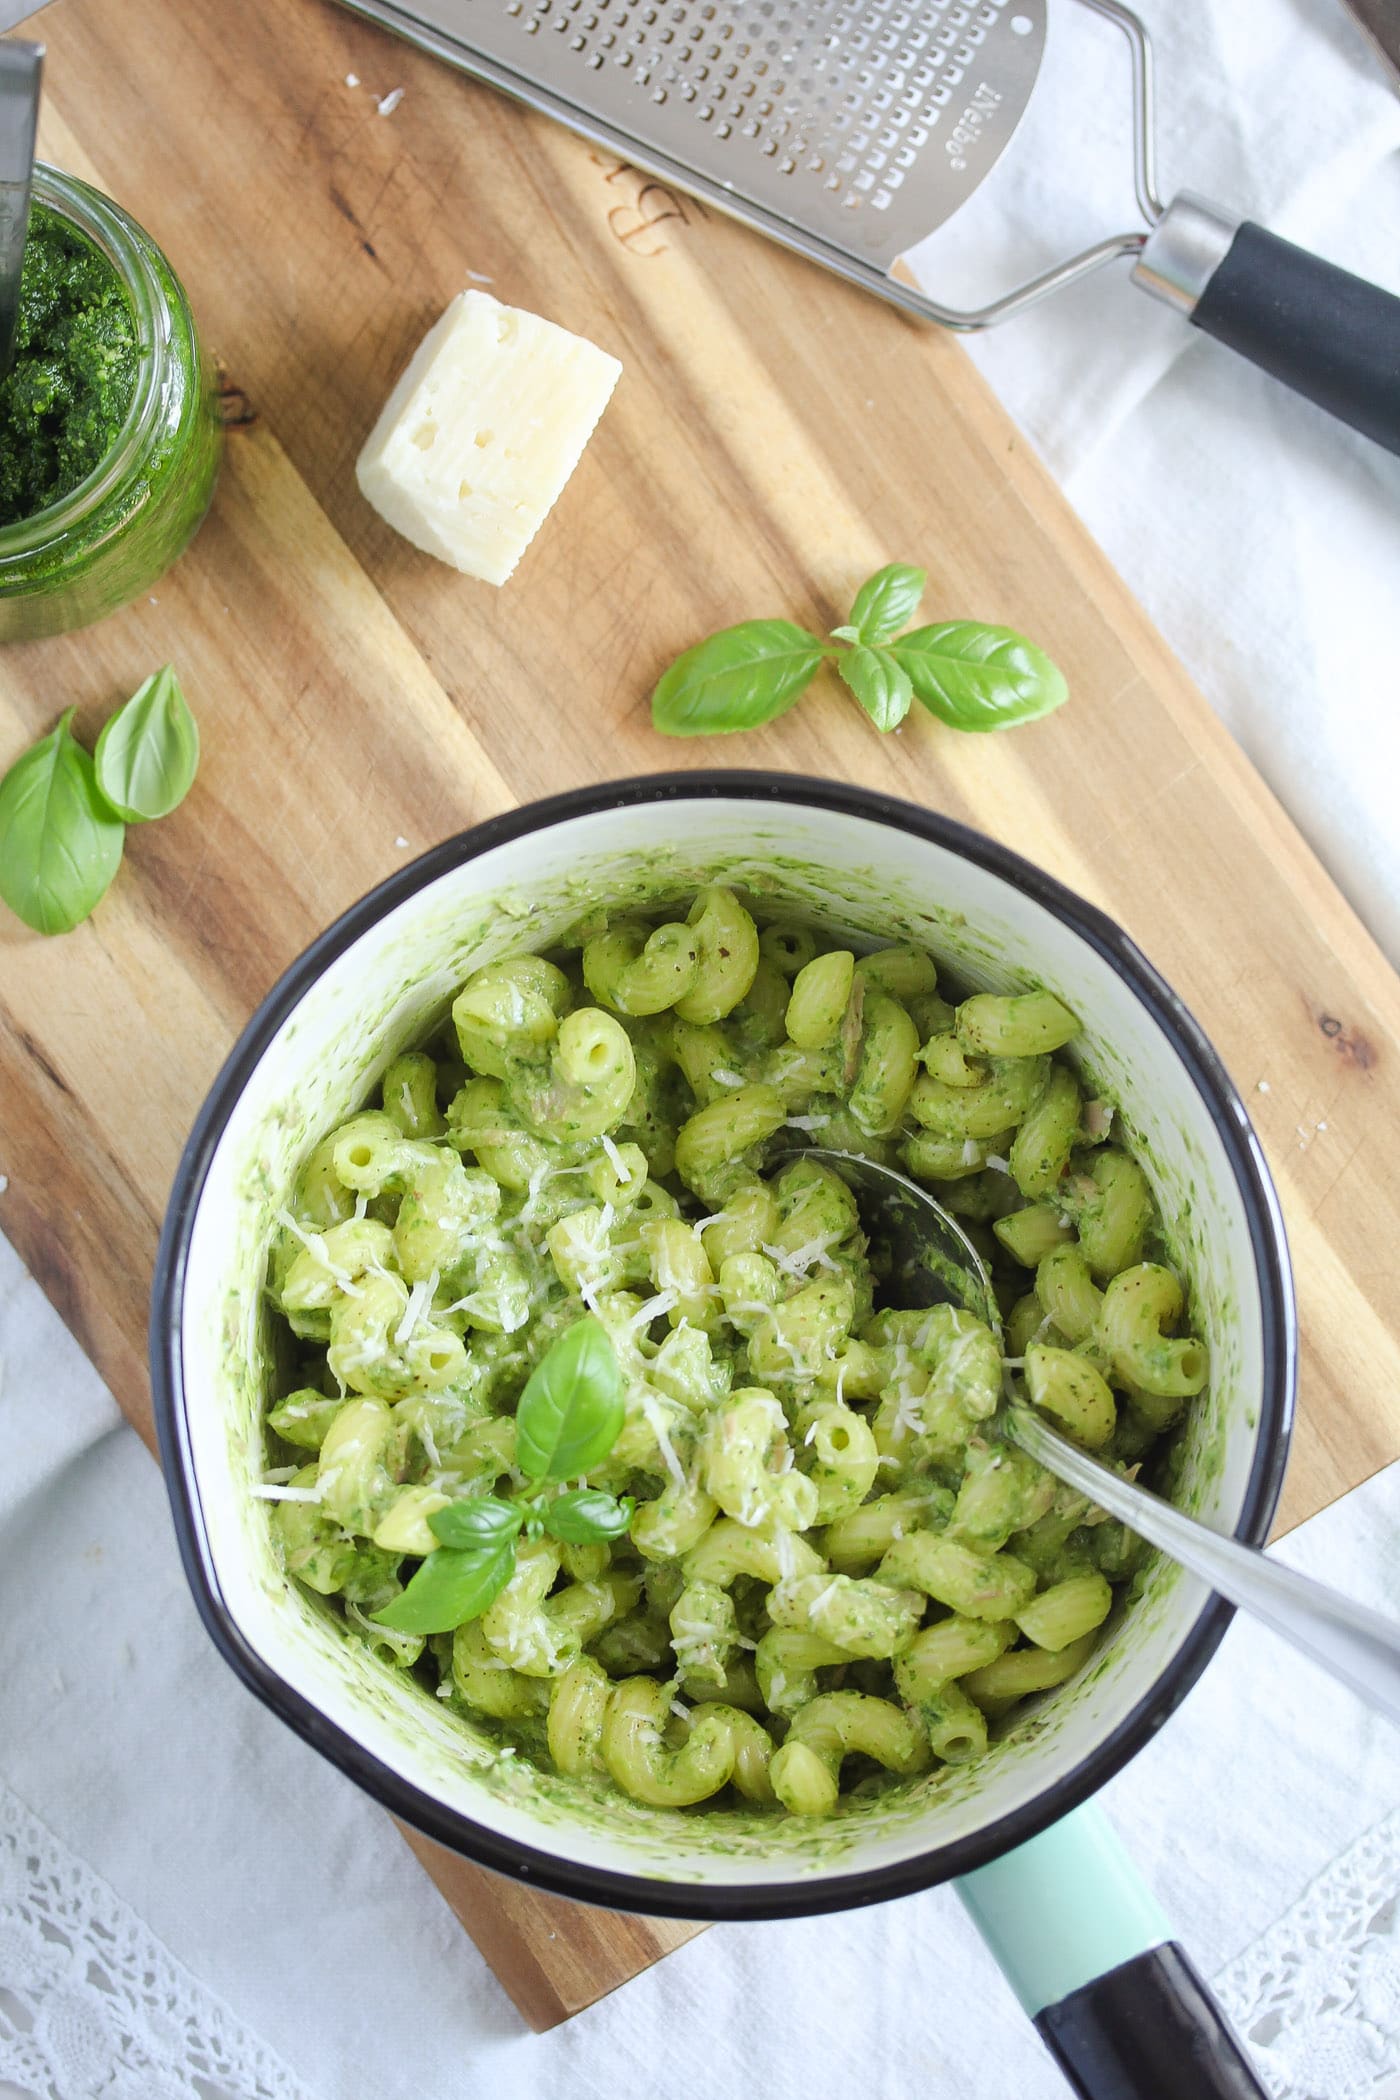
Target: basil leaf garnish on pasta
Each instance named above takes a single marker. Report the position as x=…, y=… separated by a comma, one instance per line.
x=586, y=1516
x=484, y=1520
x=452, y=1585
x=571, y=1410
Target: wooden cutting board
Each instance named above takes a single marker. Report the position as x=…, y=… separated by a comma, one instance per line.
x=775, y=437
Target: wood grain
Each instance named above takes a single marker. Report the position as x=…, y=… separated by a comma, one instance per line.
x=555, y=1958
x=775, y=436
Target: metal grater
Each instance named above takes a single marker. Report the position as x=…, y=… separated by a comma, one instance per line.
x=850, y=129
x=847, y=129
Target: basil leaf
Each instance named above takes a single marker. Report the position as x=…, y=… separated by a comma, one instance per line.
x=886, y=602
x=571, y=1410
x=60, y=845
x=148, y=753
x=483, y=1520
x=586, y=1515
x=880, y=684
x=977, y=677
x=738, y=679
x=449, y=1588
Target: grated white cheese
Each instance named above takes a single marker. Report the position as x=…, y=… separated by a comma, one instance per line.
x=726, y=1077
x=419, y=1299
x=970, y=1152
x=682, y=1713
x=387, y=104
x=1002, y=1166
x=617, y=1162
x=802, y=1258
x=807, y=1122
x=656, y=1422
x=315, y=1243
x=312, y=1241
x=663, y=1302
x=266, y=1492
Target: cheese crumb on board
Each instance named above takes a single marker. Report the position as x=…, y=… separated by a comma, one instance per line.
x=475, y=443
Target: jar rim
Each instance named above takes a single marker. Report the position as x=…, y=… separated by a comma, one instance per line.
x=129, y=250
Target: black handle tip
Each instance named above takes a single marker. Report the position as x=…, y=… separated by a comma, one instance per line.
x=1149, y=2030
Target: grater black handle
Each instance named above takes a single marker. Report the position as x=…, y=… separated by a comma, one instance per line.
x=1329, y=336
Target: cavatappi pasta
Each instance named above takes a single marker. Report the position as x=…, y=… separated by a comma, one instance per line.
x=836, y=1567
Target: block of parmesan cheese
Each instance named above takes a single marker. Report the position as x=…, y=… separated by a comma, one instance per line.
x=481, y=433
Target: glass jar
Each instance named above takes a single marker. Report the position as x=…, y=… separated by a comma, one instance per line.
x=109, y=538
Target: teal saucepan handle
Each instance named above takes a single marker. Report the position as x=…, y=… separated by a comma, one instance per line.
x=1090, y=1955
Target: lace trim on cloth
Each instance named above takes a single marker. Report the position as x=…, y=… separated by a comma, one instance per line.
x=92, y=2006
x=1317, y=1997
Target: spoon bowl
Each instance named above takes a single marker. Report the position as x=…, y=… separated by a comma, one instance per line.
x=925, y=1258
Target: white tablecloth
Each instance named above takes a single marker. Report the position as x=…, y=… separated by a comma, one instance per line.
x=1262, y=537
x=148, y=1805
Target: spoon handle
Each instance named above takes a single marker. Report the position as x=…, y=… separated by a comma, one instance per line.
x=21, y=70
x=1355, y=1644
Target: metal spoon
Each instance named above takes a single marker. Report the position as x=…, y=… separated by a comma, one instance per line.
x=931, y=1259
x=21, y=72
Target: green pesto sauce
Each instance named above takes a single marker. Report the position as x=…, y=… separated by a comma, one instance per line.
x=67, y=394
x=468, y=1756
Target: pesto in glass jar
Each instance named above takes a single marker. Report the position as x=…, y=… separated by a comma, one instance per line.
x=109, y=432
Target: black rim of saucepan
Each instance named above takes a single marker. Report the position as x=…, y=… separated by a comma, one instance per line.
x=633, y=1892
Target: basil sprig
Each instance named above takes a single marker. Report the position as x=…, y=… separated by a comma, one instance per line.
x=738, y=679
x=887, y=601
x=586, y=1516
x=568, y=1419
x=570, y=1413
x=60, y=845
x=970, y=675
x=63, y=814
x=979, y=678
x=148, y=753
x=452, y=1585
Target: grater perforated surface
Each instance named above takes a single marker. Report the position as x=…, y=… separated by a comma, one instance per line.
x=863, y=123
